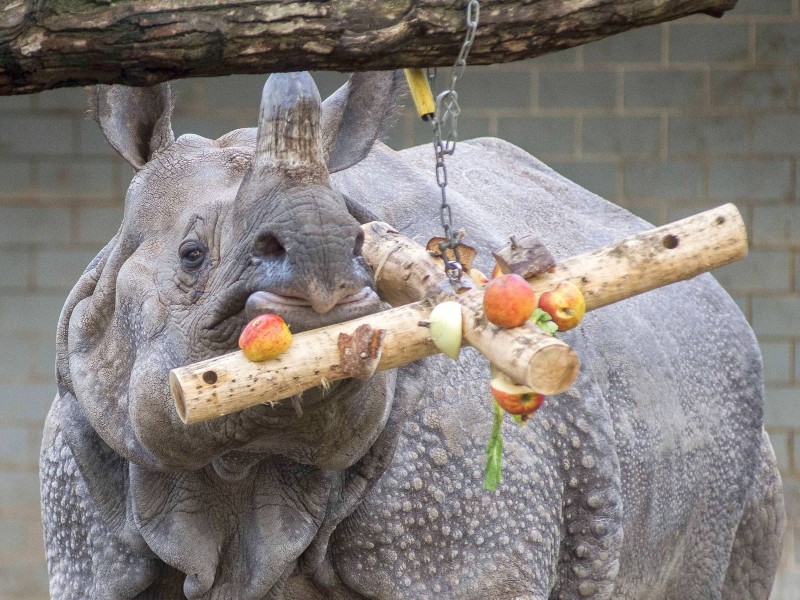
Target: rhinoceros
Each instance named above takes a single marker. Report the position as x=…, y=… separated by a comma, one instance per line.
x=651, y=477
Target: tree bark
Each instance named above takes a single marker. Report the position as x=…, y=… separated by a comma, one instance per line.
x=58, y=43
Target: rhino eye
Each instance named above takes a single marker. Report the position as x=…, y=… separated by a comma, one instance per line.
x=192, y=254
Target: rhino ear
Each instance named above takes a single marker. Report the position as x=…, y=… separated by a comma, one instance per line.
x=356, y=115
x=135, y=120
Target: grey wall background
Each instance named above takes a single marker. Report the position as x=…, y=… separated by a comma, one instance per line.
x=666, y=121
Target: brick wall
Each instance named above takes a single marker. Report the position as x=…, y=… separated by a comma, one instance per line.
x=666, y=121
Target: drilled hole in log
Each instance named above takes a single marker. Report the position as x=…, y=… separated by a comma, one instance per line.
x=670, y=241
x=210, y=377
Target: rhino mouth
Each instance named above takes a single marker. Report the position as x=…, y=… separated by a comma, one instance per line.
x=298, y=314
x=239, y=307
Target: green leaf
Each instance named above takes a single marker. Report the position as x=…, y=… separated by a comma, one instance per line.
x=544, y=321
x=494, y=452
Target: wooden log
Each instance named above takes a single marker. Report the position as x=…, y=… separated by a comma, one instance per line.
x=141, y=42
x=229, y=383
x=642, y=262
x=526, y=353
x=403, y=270
x=637, y=264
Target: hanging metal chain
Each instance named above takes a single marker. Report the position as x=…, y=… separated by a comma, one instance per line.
x=445, y=135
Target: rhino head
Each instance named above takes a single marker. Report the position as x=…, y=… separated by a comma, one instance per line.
x=215, y=232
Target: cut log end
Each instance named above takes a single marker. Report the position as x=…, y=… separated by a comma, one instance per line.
x=177, y=395
x=553, y=369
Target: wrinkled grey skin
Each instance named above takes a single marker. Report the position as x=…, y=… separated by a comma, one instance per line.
x=650, y=478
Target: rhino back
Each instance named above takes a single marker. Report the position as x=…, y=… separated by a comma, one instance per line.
x=676, y=372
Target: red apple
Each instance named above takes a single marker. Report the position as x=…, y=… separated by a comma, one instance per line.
x=513, y=398
x=265, y=337
x=508, y=300
x=565, y=305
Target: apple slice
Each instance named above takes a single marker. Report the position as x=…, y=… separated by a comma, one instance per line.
x=445, y=327
x=513, y=398
x=477, y=276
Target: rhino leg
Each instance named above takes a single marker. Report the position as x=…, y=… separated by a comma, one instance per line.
x=757, y=545
x=87, y=557
x=583, y=437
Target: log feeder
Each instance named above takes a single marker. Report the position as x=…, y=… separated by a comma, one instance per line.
x=407, y=278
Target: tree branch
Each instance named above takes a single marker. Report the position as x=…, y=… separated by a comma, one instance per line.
x=58, y=43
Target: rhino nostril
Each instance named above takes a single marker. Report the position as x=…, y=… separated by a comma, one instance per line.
x=359, y=244
x=268, y=246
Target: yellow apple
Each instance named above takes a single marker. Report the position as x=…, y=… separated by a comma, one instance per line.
x=265, y=337
x=565, y=305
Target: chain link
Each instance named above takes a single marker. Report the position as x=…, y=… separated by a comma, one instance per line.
x=446, y=119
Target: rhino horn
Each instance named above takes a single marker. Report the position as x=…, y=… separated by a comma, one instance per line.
x=289, y=124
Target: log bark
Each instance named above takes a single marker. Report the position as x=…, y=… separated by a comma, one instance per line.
x=644, y=262
x=637, y=264
x=57, y=43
